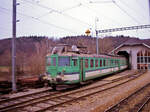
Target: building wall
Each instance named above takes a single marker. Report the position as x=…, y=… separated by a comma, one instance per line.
x=132, y=51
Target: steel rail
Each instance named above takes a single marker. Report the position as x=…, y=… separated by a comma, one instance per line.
x=14, y=98
x=47, y=97
x=82, y=96
x=142, y=106
x=109, y=109
x=19, y=97
x=26, y=95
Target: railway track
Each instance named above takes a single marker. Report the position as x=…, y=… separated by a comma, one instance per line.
x=51, y=101
x=14, y=101
x=133, y=103
x=145, y=101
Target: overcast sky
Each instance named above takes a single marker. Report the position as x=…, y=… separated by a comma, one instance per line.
x=59, y=18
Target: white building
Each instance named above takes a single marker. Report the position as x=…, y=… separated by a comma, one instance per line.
x=136, y=51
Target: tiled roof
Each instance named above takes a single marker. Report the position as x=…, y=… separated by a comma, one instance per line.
x=134, y=41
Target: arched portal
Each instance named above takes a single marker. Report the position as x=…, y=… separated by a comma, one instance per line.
x=126, y=54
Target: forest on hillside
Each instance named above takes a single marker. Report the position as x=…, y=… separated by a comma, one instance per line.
x=31, y=51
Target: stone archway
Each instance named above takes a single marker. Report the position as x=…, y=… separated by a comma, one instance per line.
x=126, y=54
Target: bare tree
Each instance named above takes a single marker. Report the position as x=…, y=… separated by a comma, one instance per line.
x=37, y=60
x=105, y=45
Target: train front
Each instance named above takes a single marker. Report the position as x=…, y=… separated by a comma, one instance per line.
x=62, y=67
x=61, y=70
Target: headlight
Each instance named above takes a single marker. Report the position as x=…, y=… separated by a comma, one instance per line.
x=47, y=77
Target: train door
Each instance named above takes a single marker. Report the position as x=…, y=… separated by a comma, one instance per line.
x=81, y=70
x=119, y=64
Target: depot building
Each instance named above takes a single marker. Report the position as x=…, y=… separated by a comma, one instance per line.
x=136, y=51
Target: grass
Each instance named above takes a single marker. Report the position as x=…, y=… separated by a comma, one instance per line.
x=4, y=68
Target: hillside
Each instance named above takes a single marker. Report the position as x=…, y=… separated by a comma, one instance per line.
x=31, y=51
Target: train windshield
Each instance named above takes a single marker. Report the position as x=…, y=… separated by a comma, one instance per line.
x=48, y=61
x=51, y=61
x=63, y=61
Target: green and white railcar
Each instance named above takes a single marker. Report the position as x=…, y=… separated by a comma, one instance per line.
x=69, y=69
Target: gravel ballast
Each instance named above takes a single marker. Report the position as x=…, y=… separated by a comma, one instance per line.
x=100, y=102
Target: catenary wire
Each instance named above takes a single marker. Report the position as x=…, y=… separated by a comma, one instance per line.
x=96, y=12
x=63, y=10
x=59, y=12
x=125, y=12
x=123, y=2
x=129, y=14
x=42, y=21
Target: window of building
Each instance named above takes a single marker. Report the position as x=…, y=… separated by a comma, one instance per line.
x=138, y=59
x=138, y=66
x=146, y=60
x=141, y=67
x=143, y=59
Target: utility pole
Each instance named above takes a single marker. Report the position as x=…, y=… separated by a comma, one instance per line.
x=149, y=9
x=14, y=47
x=97, y=49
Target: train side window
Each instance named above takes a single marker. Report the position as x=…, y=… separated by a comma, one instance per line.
x=104, y=62
x=86, y=63
x=48, y=61
x=63, y=61
x=54, y=61
x=100, y=63
x=116, y=62
x=96, y=63
x=111, y=62
x=74, y=62
x=91, y=63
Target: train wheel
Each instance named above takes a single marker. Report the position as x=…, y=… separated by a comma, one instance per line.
x=53, y=86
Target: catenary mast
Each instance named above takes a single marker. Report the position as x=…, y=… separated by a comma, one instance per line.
x=14, y=47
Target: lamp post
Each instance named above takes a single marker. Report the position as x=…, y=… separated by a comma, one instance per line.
x=149, y=9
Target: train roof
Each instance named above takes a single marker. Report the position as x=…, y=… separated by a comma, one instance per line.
x=89, y=55
x=67, y=50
